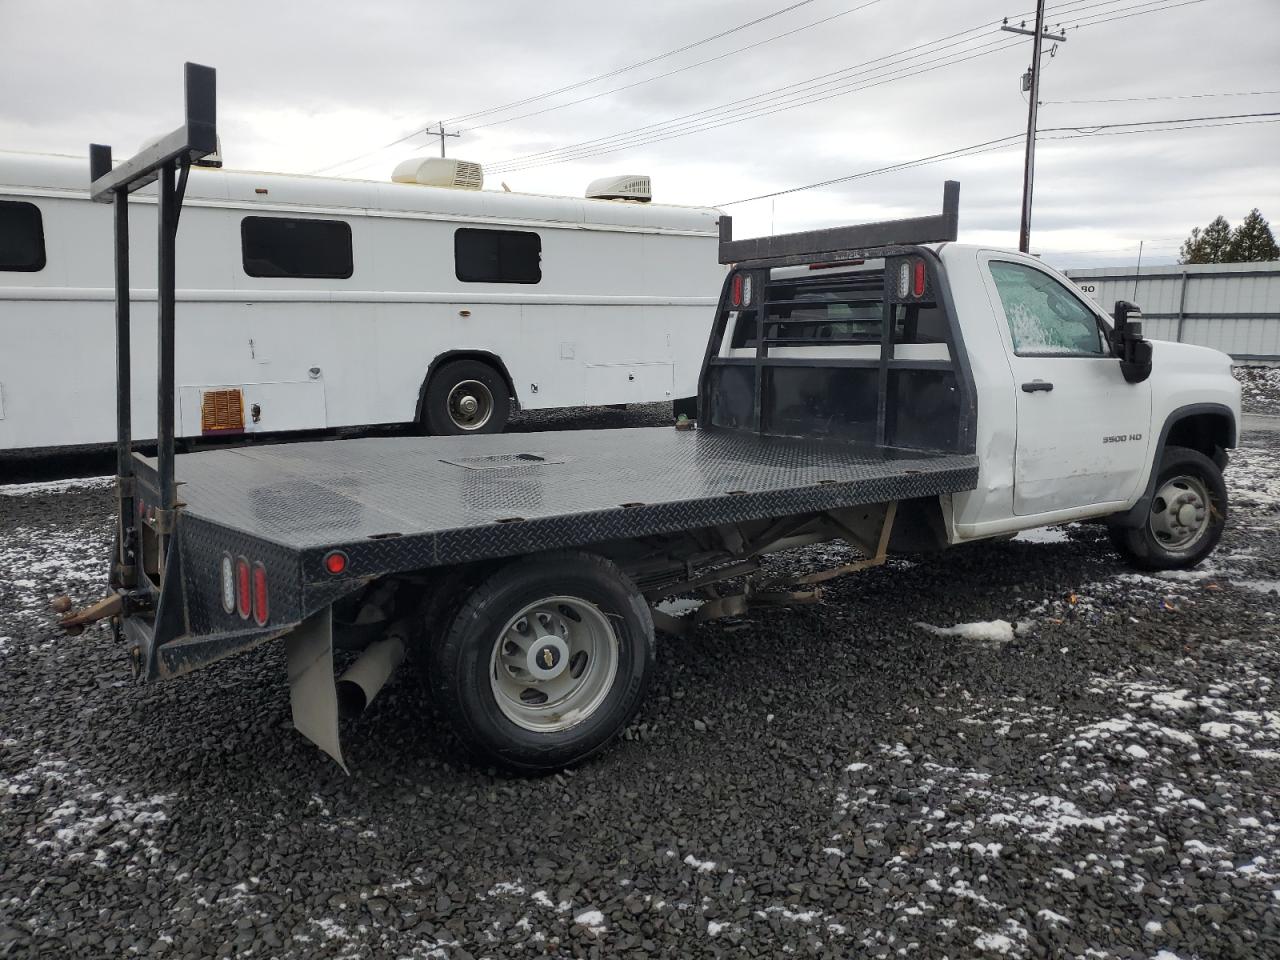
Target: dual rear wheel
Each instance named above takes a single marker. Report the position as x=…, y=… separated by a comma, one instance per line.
x=545, y=663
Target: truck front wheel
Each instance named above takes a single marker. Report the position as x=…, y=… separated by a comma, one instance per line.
x=545, y=662
x=1187, y=515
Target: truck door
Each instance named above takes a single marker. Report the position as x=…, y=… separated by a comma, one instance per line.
x=1082, y=430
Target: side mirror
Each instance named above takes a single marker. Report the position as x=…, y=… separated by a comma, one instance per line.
x=1129, y=345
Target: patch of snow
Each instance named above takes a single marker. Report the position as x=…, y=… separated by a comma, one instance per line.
x=55, y=486
x=985, y=631
x=1044, y=535
x=593, y=920
x=702, y=866
x=1048, y=916
x=679, y=606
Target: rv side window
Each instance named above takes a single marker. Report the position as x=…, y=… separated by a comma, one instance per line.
x=21, y=237
x=305, y=249
x=497, y=256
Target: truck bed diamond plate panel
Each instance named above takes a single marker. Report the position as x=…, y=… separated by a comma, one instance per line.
x=403, y=503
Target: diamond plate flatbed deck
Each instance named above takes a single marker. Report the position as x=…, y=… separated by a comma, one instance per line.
x=395, y=505
x=438, y=500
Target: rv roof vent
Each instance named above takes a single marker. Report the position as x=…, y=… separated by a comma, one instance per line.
x=440, y=172
x=626, y=187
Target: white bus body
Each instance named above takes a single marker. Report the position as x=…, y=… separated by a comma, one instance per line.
x=619, y=312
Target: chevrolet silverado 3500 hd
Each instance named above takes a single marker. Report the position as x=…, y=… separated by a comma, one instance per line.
x=880, y=385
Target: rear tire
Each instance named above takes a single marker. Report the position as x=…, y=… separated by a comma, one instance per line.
x=1187, y=515
x=466, y=396
x=546, y=662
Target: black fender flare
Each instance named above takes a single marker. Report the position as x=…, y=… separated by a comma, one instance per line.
x=1136, y=515
x=484, y=356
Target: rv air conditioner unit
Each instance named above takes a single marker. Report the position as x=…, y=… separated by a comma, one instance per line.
x=440, y=172
x=628, y=187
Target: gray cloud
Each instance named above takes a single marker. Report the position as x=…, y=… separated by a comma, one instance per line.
x=303, y=85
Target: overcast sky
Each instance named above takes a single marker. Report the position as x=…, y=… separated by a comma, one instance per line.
x=306, y=85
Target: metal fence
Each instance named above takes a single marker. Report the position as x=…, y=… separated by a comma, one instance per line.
x=1232, y=307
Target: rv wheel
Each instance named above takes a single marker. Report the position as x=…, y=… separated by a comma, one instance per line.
x=466, y=396
x=546, y=662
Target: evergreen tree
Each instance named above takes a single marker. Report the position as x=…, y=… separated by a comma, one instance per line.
x=1192, y=248
x=1210, y=245
x=1252, y=241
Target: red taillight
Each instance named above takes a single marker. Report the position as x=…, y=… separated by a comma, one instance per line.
x=917, y=279
x=737, y=290
x=260, y=608
x=244, y=588
x=335, y=561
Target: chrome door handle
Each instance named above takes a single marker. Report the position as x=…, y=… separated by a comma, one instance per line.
x=1037, y=386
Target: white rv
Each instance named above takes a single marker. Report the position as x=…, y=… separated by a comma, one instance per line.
x=309, y=303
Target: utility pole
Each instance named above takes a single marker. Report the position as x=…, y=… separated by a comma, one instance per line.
x=1029, y=167
x=439, y=132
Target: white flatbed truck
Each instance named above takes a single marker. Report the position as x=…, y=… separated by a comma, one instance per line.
x=880, y=385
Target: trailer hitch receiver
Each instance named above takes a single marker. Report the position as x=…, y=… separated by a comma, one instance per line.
x=116, y=605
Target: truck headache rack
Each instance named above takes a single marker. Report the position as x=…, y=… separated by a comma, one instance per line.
x=842, y=243
x=862, y=346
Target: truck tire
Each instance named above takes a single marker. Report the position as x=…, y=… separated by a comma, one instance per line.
x=466, y=396
x=545, y=663
x=1187, y=515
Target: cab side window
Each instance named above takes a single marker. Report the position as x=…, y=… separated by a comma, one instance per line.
x=1045, y=318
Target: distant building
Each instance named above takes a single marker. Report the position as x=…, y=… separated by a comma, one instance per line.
x=1233, y=307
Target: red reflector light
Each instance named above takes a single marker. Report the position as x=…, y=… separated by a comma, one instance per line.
x=244, y=586
x=917, y=279
x=737, y=290
x=335, y=562
x=260, y=608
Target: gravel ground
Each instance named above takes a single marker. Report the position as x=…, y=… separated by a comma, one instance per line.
x=1259, y=388
x=1089, y=766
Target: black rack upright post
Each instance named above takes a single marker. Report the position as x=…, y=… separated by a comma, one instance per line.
x=165, y=296
x=100, y=165
x=169, y=160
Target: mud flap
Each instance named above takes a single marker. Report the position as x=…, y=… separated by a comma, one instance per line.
x=313, y=694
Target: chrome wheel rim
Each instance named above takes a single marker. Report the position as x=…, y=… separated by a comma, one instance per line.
x=1180, y=513
x=553, y=664
x=470, y=405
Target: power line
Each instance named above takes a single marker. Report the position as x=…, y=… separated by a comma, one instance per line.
x=1126, y=16
x=671, y=73
x=1006, y=143
x=821, y=79
x=996, y=144
x=1090, y=128
x=773, y=101
x=1172, y=96
x=573, y=86
x=1070, y=8
x=1200, y=126
x=408, y=136
x=633, y=66
x=671, y=129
